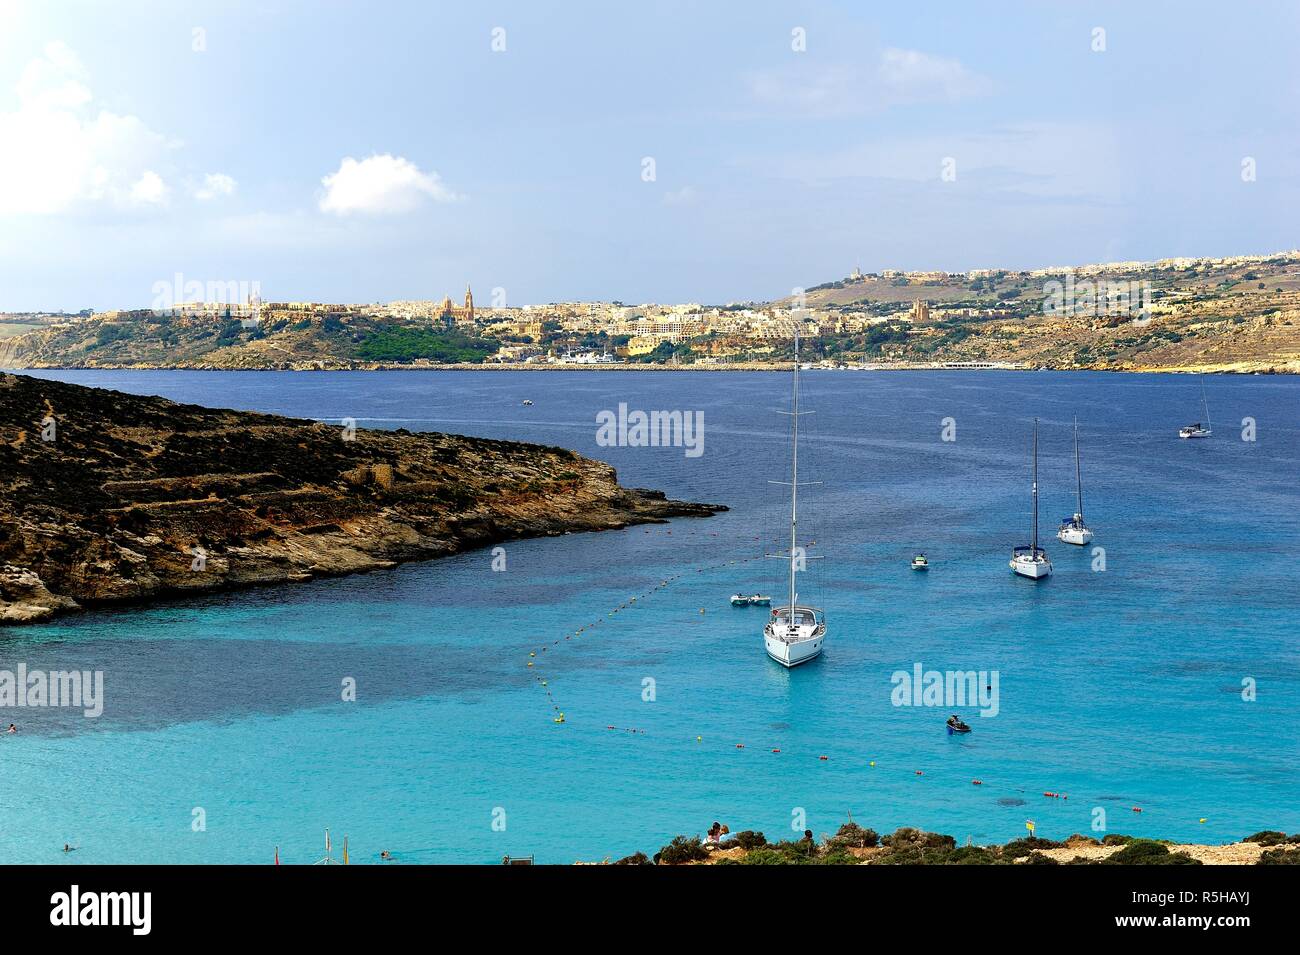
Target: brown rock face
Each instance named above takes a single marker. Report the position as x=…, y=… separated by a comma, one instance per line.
x=112, y=497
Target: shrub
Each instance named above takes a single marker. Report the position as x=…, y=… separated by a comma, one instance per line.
x=972, y=855
x=682, y=849
x=1269, y=837
x=802, y=848
x=853, y=836
x=1017, y=848
x=636, y=858
x=1148, y=852
x=1279, y=857
x=909, y=838
x=747, y=839
x=1037, y=858
x=1116, y=840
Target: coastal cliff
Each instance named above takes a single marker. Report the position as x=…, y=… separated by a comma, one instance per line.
x=107, y=497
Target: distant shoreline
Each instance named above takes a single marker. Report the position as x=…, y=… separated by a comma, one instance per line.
x=734, y=367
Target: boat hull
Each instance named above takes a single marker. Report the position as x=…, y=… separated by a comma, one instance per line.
x=790, y=655
x=1074, y=535
x=1033, y=569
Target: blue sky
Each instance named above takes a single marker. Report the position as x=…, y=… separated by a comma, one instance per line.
x=345, y=151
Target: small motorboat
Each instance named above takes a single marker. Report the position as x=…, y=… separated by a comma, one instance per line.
x=919, y=562
x=528, y=402
x=955, y=725
x=759, y=600
x=739, y=600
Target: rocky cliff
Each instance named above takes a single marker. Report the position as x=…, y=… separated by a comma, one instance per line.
x=108, y=497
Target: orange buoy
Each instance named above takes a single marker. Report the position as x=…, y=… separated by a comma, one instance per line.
x=776, y=751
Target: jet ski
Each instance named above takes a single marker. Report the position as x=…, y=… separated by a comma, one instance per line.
x=955, y=725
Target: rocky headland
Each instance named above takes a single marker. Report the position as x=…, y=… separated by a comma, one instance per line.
x=107, y=497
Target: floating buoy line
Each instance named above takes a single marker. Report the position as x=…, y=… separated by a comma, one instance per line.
x=557, y=714
x=825, y=755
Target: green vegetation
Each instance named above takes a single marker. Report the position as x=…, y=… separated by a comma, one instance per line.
x=1280, y=857
x=106, y=334
x=855, y=845
x=1147, y=852
x=682, y=849
x=410, y=344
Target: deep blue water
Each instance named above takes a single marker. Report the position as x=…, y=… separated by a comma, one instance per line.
x=1119, y=688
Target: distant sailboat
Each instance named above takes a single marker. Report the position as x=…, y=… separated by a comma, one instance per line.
x=1073, y=530
x=1032, y=561
x=1199, y=430
x=794, y=634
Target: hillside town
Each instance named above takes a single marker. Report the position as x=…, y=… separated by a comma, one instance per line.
x=1235, y=313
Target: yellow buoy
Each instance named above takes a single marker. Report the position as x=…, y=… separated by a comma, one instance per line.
x=872, y=763
x=699, y=739
x=1202, y=819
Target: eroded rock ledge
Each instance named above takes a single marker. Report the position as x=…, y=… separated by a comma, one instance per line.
x=138, y=498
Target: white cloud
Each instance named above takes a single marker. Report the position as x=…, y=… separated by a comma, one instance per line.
x=898, y=77
x=380, y=185
x=215, y=185
x=909, y=76
x=149, y=189
x=59, y=155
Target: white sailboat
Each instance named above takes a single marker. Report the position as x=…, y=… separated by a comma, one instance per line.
x=795, y=633
x=1199, y=430
x=1073, y=530
x=1032, y=561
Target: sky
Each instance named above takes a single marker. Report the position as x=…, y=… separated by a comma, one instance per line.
x=641, y=152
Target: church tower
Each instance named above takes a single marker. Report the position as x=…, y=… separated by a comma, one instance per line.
x=469, y=305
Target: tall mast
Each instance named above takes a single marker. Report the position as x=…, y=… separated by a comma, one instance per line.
x=1205, y=408
x=794, y=473
x=1035, y=545
x=1078, y=475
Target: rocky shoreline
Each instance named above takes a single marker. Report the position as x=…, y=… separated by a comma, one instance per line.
x=854, y=845
x=110, y=498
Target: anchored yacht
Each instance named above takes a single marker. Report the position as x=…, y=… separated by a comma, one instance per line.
x=1073, y=530
x=795, y=633
x=1031, y=561
x=1199, y=430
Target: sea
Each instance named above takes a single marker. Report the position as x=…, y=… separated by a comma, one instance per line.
x=1150, y=687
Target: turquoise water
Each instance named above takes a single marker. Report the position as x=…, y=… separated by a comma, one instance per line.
x=1119, y=688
